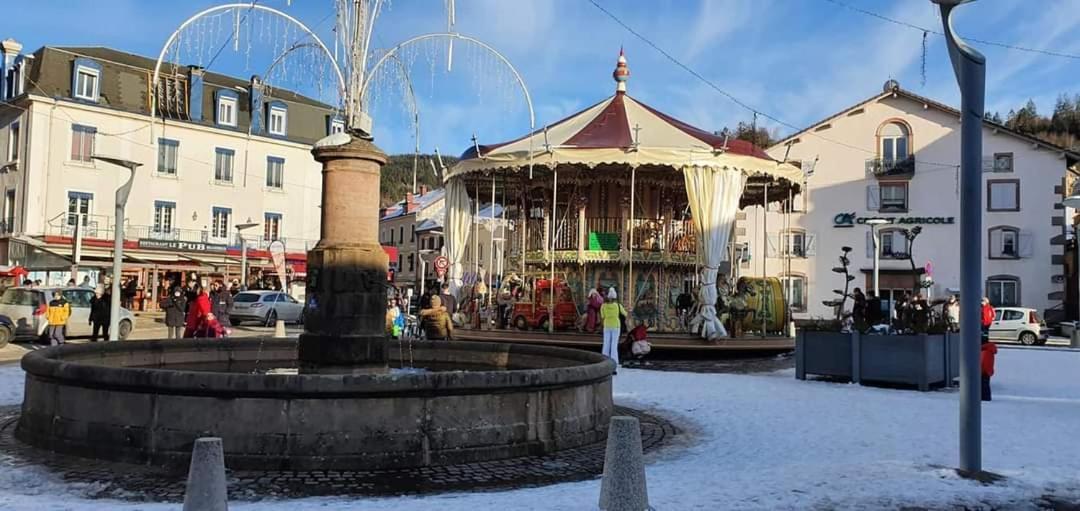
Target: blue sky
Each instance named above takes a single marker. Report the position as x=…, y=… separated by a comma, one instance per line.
x=797, y=60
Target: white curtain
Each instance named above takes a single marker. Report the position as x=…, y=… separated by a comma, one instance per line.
x=714, y=195
x=457, y=224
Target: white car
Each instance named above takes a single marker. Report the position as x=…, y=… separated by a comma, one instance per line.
x=265, y=307
x=1018, y=324
x=26, y=307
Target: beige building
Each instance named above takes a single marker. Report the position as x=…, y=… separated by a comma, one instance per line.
x=895, y=156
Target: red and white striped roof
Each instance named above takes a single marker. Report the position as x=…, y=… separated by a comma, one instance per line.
x=623, y=130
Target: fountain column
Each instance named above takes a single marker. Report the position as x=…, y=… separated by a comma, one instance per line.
x=346, y=279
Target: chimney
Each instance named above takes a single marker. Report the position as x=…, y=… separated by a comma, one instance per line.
x=195, y=92
x=10, y=49
x=255, y=93
x=410, y=203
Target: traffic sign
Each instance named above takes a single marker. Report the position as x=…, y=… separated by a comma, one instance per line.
x=441, y=264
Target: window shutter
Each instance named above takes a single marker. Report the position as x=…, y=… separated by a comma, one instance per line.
x=811, y=245
x=1027, y=244
x=873, y=197
x=995, y=242
x=772, y=241
x=869, y=246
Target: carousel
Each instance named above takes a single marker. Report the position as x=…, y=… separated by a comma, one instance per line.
x=619, y=195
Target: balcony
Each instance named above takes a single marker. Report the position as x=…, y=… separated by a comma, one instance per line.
x=884, y=167
x=101, y=227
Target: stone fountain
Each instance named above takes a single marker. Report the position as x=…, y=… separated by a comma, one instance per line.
x=343, y=398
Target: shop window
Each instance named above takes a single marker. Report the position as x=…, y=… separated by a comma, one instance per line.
x=1003, y=290
x=1003, y=195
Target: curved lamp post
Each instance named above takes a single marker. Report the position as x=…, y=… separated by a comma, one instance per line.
x=118, y=241
x=970, y=68
x=874, y=223
x=243, y=252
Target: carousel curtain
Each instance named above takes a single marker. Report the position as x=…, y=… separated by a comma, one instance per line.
x=457, y=224
x=713, y=195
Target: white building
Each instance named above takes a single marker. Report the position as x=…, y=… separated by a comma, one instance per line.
x=227, y=153
x=896, y=156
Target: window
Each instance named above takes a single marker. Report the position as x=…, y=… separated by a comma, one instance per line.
x=275, y=172
x=412, y=235
x=1003, y=195
x=82, y=142
x=164, y=213
x=277, y=117
x=220, y=222
x=86, y=83
x=9, y=211
x=795, y=290
x=895, y=142
x=1009, y=243
x=1003, y=162
x=391, y=236
x=223, y=165
x=893, y=197
x=78, y=297
x=337, y=126
x=79, y=205
x=13, y=142
x=793, y=244
x=412, y=266
x=894, y=245
x=271, y=226
x=401, y=235
x=226, y=108
x=1003, y=290
x=168, y=150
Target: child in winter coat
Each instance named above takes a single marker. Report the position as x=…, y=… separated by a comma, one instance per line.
x=989, y=351
x=57, y=315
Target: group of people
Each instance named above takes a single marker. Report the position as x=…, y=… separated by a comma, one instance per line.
x=604, y=309
x=437, y=310
x=192, y=311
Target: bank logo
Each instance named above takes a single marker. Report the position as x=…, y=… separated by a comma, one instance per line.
x=844, y=220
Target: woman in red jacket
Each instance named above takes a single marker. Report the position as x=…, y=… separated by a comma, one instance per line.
x=989, y=351
x=987, y=318
x=198, y=309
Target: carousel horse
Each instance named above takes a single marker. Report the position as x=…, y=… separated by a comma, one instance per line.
x=738, y=308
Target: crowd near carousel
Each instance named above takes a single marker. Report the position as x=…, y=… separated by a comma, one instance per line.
x=617, y=196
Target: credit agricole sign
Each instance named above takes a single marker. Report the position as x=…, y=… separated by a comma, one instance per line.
x=851, y=219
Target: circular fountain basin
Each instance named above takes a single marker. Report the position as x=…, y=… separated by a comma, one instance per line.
x=433, y=403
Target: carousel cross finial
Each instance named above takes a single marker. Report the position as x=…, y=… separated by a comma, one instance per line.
x=621, y=73
x=637, y=135
x=476, y=145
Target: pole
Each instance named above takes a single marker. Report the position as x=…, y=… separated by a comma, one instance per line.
x=551, y=250
x=764, y=260
x=630, y=284
x=243, y=262
x=877, y=258
x=491, y=251
x=118, y=254
x=970, y=69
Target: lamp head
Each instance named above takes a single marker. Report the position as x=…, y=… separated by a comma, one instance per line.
x=951, y=3
x=248, y=225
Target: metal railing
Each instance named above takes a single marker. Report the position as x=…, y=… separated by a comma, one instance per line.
x=606, y=233
x=890, y=167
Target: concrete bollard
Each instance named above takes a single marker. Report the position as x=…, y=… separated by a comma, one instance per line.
x=206, y=489
x=623, y=485
x=279, y=328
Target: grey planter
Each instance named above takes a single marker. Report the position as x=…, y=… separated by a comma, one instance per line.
x=921, y=360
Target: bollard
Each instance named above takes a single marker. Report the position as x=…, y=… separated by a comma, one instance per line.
x=206, y=490
x=623, y=485
x=1074, y=339
x=279, y=328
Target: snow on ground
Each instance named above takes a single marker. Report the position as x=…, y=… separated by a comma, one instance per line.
x=768, y=442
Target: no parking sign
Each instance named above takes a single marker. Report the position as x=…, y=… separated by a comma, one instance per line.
x=441, y=264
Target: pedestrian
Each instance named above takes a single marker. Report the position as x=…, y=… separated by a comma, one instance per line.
x=175, y=309
x=100, y=314
x=221, y=302
x=592, y=309
x=987, y=318
x=392, y=315
x=952, y=313
x=988, y=352
x=448, y=300
x=425, y=299
x=858, y=310
x=71, y=283
x=37, y=283
x=197, y=311
x=612, y=316
x=436, y=322
x=505, y=302
x=873, y=309
x=920, y=314
x=57, y=315
x=86, y=283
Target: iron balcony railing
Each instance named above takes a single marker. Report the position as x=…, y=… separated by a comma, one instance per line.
x=102, y=227
x=882, y=167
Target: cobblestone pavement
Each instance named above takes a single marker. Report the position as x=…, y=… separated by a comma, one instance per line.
x=733, y=364
x=143, y=483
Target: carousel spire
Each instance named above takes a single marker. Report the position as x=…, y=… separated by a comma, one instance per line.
x=621, y=73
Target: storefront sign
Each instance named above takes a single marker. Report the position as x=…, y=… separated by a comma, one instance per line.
x=851, y=219
x=183, y=246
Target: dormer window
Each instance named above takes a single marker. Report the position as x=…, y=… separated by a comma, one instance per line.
x=277, y=118
x=226, y=108
x=86, y=80
x=337, y=126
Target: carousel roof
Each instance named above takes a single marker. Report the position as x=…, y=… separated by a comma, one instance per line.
x=621, y=130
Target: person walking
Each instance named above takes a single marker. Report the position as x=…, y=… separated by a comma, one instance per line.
x=986, y=358
x=858, y=310
x=873, y=310
x=436, y=322
x=592, y=310
x=57, y=315
x=197, y=311
x=221, y=302
x=175, y=309
x=987, y=317
x=448, y=300
x=100, y=309
x=86, y=283
x=952, y=313
x=612, y=315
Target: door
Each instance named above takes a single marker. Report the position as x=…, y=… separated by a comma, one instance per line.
x=1006, y=325
x=79, y=322
x=19, y=305
x=294, y=308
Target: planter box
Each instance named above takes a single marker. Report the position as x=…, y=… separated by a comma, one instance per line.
x=922, y=360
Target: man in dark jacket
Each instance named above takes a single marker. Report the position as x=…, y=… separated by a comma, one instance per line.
x=448, y=300
x=221, y=302
x=175, y=306
x=100, y=310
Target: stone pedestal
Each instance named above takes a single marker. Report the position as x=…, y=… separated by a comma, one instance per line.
x=346, y=282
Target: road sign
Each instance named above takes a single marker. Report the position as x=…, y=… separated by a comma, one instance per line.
x=441, y=264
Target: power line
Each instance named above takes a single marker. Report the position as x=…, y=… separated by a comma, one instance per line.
x=902, y=23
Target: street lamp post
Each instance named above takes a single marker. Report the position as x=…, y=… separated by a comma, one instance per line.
x=243, y=252
x=970, y=68
x=118, y=240
x=873, y=223
x=1073, y=201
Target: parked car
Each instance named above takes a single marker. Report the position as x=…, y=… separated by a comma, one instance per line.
x=1018, y=324
x=26, y=309
x=7, y=330
x=265, y=307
